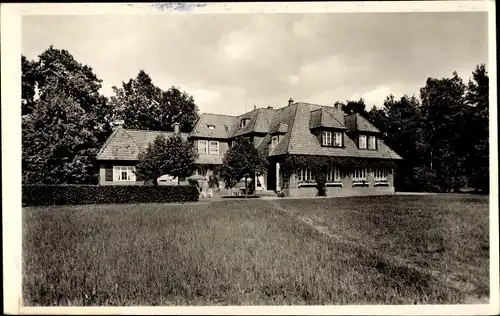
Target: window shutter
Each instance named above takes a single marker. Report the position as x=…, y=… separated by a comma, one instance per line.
x=108, y=173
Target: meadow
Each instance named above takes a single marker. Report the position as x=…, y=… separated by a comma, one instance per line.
x=361, y=250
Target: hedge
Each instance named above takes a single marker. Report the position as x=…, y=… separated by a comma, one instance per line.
x=34, y=195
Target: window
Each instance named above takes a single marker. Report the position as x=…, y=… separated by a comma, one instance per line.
x=201, y=172
x=203, y=147
x=381, y=174
x=274, y=141
x=333, y=175
x=359, y=175
x=337, y=140
x=211, y=127
x=123, y=173
x=244, y=122
x=372, y=142
x=214, y=147
x=305, y=175
x=327, y=138
x=362, y=141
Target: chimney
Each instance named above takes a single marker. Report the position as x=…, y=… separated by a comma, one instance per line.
x=290, y=101
x=176, y=128
x=336, y=106
x=254, y=107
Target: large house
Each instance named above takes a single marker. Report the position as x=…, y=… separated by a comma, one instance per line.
x=299, y=130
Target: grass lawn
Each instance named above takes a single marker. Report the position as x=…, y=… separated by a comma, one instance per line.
x=362, y=250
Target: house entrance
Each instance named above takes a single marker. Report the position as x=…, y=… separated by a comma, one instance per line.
x=271, y=177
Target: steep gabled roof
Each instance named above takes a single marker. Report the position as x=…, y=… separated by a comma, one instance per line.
x=126, y=144
x=301, y=141
x=322, y=117
x=356, y=122
x=259, y=122
x=222, y=124
x=283, y=116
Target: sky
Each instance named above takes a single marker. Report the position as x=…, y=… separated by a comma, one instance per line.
x=230, y=63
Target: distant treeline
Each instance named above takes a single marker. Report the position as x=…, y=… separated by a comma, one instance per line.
x=443, y=135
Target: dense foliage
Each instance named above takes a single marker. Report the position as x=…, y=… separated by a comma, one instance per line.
x=65, y=119
x=34, y=195
x=173, y=156
x=142, y=105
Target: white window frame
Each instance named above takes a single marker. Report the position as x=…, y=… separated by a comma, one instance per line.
x=359, y=175
x=205, y=152
x=362, y=144
x=326, y=137
x=337, y=136
x=372, y=142
x=211, y=146
x=274, y=141
x=380, y=175
x=118, y=173
x=211, y=127
x=305, y=175
x=333, y=175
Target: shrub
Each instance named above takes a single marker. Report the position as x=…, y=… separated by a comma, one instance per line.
x=424, y=180
x=213, y=181
x=34, y=195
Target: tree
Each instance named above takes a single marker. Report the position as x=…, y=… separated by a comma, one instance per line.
x=173, y=156
x=142, y=105
x=242, y=160
x=477, y=98
x=401, y=123
x=443, y=109
x=351, y=107
x=65, y=123
x=28, y=84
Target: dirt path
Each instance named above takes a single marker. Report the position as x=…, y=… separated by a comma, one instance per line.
x=452, y=281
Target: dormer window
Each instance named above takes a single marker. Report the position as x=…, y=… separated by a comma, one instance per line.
x=372, y=142
x=244, y=122
x=211, y=127
x=329, y=139
x=337, y=139
x=367, y=142
x=362, y=142
x=275, y=140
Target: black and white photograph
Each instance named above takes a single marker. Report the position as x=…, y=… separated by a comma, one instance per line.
x=183, y=155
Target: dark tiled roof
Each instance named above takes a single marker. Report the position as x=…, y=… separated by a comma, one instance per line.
x=222, y=123
x=286, y=116
x=125, y=144
x=301, y=141
x=356, y=122
x=259, y=122
x=292, y=122
x=324, y=118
